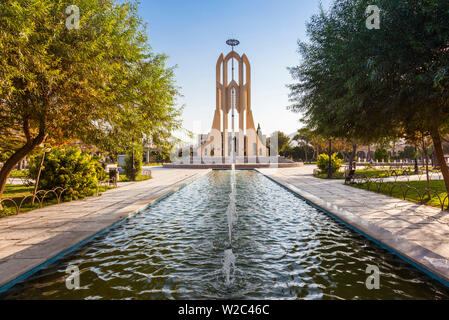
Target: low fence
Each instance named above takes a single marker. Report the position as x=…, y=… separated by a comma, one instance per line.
x=18, y=203
x=402, y=173
x=397, y=182
x=41, y=195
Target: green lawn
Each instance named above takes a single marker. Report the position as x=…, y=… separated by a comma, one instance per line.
x=17, y=190
x=415, y=192
x=140, y=177
x=337, y=175
x=369, y=173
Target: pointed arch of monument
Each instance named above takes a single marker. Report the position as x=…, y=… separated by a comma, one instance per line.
x=234, y=55
x=233, y=85
x=247, y=97
x=218, y=68
x=248, y=68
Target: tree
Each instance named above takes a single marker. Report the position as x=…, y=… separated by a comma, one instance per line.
x=304, y=139
x=409, y=153
x=133, y=164
x=283, y=142
x=100, y=83
x=259, y=131
x=381, y=154
x=369, y=84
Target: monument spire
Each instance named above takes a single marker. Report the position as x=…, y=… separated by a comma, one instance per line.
x=233, y=43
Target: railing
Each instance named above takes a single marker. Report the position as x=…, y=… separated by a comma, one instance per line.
x=390, y=183
x=41, y=195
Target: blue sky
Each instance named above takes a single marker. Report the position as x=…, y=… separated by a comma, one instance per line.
x=193, y=34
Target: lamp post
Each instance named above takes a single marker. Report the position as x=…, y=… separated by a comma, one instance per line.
x=416, y=161
x=329, y=169
x=36, y=183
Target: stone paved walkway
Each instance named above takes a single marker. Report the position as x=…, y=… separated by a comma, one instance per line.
x=29, y=239
x=419, y=233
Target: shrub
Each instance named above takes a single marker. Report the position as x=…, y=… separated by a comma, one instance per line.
x=70, y=169
x=19, y=174
x=101, y=173
x=381, y=154
x=323, y=163
x=128, y=167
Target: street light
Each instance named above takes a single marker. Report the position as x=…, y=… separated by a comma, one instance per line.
x=36, y=183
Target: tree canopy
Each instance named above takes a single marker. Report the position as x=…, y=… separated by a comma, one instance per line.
x=368, y=84
x=100, y=83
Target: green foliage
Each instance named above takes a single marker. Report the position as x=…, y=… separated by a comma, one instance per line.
x=299, y=153
x=101, y=83
x=128, y=167
x=360, y=83
x=140, y=177
x=409, y=152
x=323, y=162
x=381, y=154
x=101, y=173
x=160, y=155
x=19, y=174
x=283, y=143
x=70, y=169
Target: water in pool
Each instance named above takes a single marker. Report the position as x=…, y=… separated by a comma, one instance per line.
x=195, y=245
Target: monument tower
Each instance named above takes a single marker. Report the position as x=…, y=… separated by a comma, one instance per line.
x=233, y=95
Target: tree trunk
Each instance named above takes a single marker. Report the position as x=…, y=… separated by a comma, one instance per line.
x=436, y=138
x=424, y=148
x=352, y=155
x=434, y=159
x=416, y=161
x=20, y=154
